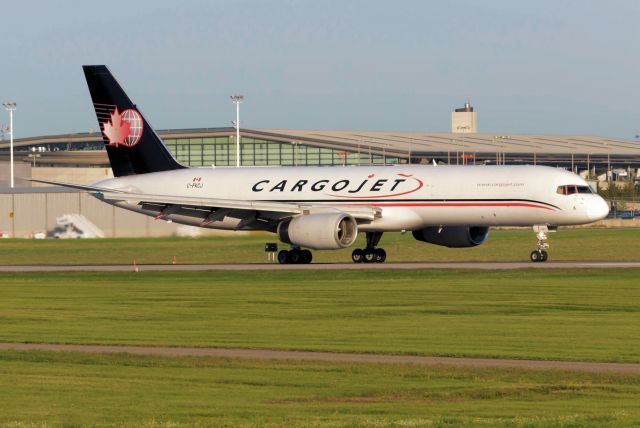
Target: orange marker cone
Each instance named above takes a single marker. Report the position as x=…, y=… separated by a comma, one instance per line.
x=135, y=266
x=173, y=262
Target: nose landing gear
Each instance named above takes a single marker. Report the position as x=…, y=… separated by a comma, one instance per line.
x=540, y=254
x=370, y=254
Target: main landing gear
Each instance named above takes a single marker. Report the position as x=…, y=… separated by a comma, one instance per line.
x=540, y=254
x=294, y=256
x=371, y=254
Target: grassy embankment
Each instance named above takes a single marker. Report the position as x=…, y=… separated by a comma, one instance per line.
x=74, y=389
x=554, y=314
x=509, y=245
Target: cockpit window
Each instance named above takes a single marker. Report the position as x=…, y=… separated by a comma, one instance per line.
x=572, y=188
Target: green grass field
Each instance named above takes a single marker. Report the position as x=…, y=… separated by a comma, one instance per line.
x=74, y=389
x=540, y=314
x=509, y=245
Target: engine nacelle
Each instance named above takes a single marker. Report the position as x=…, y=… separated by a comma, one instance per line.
x=454, y=236
x=322, y=231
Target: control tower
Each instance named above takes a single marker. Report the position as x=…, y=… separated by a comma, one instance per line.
x=464, y=120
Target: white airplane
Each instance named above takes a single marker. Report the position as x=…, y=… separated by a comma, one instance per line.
x=324, y=208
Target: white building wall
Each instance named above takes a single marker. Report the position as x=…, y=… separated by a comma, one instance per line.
x=70, y=174
x=463, y=122
x=20, y=169
x=23, y=214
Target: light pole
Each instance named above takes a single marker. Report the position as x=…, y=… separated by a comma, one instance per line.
x=33, y=156
x=11, y=107
x=237, y=100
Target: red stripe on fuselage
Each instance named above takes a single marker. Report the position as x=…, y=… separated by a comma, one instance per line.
x=456, y=204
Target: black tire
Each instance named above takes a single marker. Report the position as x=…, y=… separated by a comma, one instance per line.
x=536, y=256
x=380, y=255
x=283, y=257
x=295, y=257
x=545, y=256
x=306, y=256
x=369, y=256
x=357, y=255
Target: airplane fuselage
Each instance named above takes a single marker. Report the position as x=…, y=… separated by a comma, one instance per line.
x=409, y=197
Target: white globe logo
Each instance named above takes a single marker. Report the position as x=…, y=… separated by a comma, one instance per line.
x=134, y=120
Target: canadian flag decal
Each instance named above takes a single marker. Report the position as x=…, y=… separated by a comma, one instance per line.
x=124, y=128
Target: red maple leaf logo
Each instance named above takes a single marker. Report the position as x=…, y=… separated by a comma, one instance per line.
x=117, y=129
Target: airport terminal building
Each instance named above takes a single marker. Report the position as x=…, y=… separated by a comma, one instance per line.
x=47, y=157
x=81, y=158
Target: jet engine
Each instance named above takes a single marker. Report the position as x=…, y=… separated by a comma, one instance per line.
x=322, y=231
x=454, y=236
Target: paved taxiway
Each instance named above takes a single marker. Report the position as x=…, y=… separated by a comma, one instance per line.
x=263, y=354
x=324, y=266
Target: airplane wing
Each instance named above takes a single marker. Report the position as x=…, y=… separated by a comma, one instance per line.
x=213, y=209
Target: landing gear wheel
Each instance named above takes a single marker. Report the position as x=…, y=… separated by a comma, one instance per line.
x=369, y=256
x=536, y=256
x=545, y=256
x=380, y=255
x=283, y=257
x=306, y=256
x=295, y=257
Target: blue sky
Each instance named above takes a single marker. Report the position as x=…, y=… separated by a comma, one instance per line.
x=553, y=67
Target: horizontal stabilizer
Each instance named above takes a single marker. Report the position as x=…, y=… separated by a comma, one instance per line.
x=75, y=186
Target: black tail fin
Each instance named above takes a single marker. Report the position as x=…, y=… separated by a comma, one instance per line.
x=132, y=145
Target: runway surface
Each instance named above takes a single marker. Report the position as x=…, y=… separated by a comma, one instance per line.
x=324, y=266
x=331, y=357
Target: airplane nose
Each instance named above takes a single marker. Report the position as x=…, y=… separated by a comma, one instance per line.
x=597, y=209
